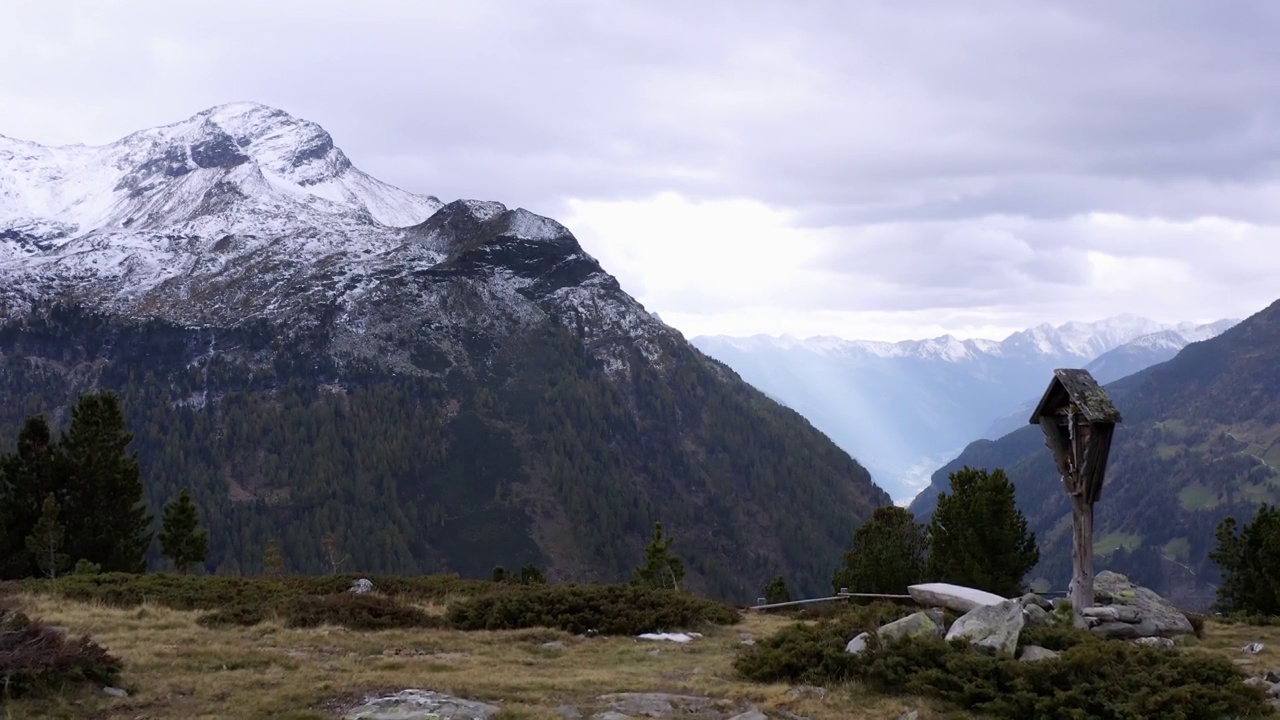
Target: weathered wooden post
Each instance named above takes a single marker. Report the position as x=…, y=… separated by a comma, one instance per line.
x=1078, y=419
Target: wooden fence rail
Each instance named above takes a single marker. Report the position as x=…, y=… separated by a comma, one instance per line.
x=844, y=594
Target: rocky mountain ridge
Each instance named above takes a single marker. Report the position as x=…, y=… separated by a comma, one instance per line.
x=446, y=386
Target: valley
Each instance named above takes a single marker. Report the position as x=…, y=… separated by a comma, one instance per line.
x=905, y=409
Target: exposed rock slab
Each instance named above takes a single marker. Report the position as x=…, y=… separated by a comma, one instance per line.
x=952, y=597
x=928, y=623
x=421, y=705
x=655, y=704
x=991, y=627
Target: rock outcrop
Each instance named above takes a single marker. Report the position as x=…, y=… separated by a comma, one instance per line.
x=1128, y=611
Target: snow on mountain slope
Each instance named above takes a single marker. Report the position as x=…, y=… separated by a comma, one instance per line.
x=1069, y=340
x=244, y=213
x=160, y=177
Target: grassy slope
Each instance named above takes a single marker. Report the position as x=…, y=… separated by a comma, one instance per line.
x=176, y=668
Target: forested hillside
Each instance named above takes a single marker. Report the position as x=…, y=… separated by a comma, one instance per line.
x=549, y=460
x=1200, y=441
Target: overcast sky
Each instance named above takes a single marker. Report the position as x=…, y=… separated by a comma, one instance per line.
x=864, y=169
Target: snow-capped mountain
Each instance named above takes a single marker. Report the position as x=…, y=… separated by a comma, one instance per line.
x=447, y=387
x=1138, y=354
x=905, y=408
x=244, y=212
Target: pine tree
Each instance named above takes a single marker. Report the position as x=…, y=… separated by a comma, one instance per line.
x=105, y=511
x=888, y=554
x=1250, y=563
x=273, y=558
x=775, y=591
x=182, y=539
x=531, y=575
x=662, y=568
x=26, y=479
x=978, y=536
x=46, y=539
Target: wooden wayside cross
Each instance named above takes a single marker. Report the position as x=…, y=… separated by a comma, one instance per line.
x=1078, y=419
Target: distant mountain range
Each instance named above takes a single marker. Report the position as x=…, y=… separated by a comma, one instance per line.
x=1200, y=441
x=903, y=409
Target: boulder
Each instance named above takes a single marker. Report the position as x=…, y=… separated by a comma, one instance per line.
x=1033, y=599
x=1159, y=642
x=1035, y=616
x=991, y=627
x=928, y=623
x=1159, y=618
x=362, y=586
x=952, y=597
x=1033, y=653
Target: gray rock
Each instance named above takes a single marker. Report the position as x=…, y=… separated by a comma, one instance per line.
x=1253, y=648
x=1033, y=599
x=910, y=715
x=610, y=715
x=421, y=705
x=1033, y=653
x=569, y=712
x=991, y=627
x=1035, y=616
x=361, y=586
x=858, y=644
x=746, y=638
x=952, y=597
x=655, y=704
x=807, y=691
x=554, y=645
x=1159, y=642
x=928, y=623
x=1161, y=618
x=1112, y=613
x=1125, y=631
x=751, y=714
x=116, y=692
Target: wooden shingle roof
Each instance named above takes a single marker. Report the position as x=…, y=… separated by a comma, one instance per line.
x=1076, y=386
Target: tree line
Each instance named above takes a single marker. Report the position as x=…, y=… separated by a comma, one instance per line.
x=78, y=500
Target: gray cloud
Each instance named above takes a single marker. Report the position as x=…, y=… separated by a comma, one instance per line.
x=908, y=133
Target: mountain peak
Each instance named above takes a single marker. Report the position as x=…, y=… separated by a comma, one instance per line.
x=238, y=168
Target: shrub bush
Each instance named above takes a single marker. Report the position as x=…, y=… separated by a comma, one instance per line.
x=191, y=592
x=1092, y=678
x=608, y=609
x=35, y=659
x=356, y=612
x=236, y=615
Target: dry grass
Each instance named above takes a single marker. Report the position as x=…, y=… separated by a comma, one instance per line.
x=175, y=668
